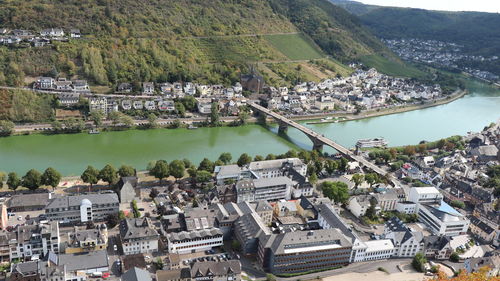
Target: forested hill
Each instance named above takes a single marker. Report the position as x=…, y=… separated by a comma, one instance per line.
x=159, y=40
x=478, y=32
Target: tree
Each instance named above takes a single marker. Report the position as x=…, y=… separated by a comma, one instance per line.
x=13, y=181
x=336, y=191
x=457, y=204
x=371, y=212
x=305, y=156
x=180, y=109
x=343, y=164
x=90, y=176
x=214, y=114
x=331, y=166
x=127, y=121
x=115, y=117
x=410, y=150
x=372, y=178
x=177, y=169
x=160, y=170
x=357, y=179
x=419, y=262
x=258, y=158
x=203, y=176
x=3, y=177
x=6, y=127
x=270, y=156
x=96, y=117
x=313, y=179
x=51, y=177
x=126, y=171
x=270, y=277
x=454, y=257
x=226, y=157
x=244, y=160
x=152, y=120
x=291, y=154
x=113, y=220
x=154, y=192
x=108, y=174
x=206, y=165
x=243, y=117
x=187, y=163
x=32, y=179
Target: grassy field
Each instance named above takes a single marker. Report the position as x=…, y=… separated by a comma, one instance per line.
x=295, y=46
x=392, y=68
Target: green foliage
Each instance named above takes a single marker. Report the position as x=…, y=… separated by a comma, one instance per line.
x=294, y=46
x=419, y=262
x=244, y=159
x=32, y=180
x=203, y=176
x=357, y=179
x=313, y=179
x=270, y=277
x=3, y=177
x=109, y=174
x=160, y=170
x=135, y=210
x=152, y=120
x=90, y=175
x=336, y=191
x=214, y=114
x=126, y=171
x=454, y=257
x=457, y=204
x=51, y=177
x=24, y=106
x=206, y=165
x=96, y=117
x=393, y=67
x=6, y=128
x=177, y=169
x=225, y=157
x=236, y=246
x=13, y=181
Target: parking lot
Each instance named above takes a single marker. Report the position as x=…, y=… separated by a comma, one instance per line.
x=16, y=218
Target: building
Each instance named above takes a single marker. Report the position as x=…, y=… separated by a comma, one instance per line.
x=148, y=88
x=28, y=202
x=82, y=208
x=407, y=243
x=437, y=247
x=5, y=238
x=87, y=240
x=442, y=219
x=325, y=103
x=252, y=82
x=269, y=189
x=358, y=205
x=247, y=230
x=379, y=249
x=492, y=262
x=181, y=274
x=98, y=104
x=45, y=83
x=387, y=200
x=483, y=230
x=406, y=207
x=194, y=241
x=127, y=189
x=138, y=236
x=38, y=270
x=68, y=99
x=34, y=241
x=87, y=263
x=136, y=274
x=216, y=271
x=425, y=195
x=4, y=216
x=302, y=251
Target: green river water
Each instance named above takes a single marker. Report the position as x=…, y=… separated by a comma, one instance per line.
x=71, y=153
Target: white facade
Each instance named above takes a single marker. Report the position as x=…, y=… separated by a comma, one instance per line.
x=378, y=250
x=140, y=246
x=425, y=195
x=356, y=207
x=194, y=241
x=442, y=221
x=406, y=207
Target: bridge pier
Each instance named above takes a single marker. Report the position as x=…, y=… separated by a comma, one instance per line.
x=283, y=127
x=317, y=144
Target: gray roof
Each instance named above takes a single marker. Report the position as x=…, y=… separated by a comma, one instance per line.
x=138, y=228
x=262, y=206
x=265, y=182
x=307, y=239
x=227, y=171
x=84, y=261
x=185, y=235
x=76, y=200
x=274, y=164
x=174, y=274
x=26, y=268
x=482, y=225
x=334, y=220
x=25, y=200
x=250, y=226
x=221, y=268
x=136, y=274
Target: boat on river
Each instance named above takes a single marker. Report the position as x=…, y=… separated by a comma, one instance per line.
x=94, y=131
x=369, y=143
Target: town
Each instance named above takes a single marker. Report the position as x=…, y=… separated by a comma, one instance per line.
x=22, y=38
x=361, y=91
x=441, y=54
x=297, y=215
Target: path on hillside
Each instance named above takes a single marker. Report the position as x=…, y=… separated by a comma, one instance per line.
x=240, y=35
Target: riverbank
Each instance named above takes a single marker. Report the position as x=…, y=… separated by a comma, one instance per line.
x=230, y=120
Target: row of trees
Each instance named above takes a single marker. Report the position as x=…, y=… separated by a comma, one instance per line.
x=33, y=179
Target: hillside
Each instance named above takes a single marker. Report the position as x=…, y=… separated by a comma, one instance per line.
x=167, y=40
x=478, y=32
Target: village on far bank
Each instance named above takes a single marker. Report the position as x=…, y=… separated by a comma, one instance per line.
x=363, y=90
x=299, y=215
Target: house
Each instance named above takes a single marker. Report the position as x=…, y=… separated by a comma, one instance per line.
x=442, y=219
x=425, y=195
x=81, y=86
x=182, y=274
x=491, y=262
x=4, y=216
x=247, y=230
x=45, y=83
x=437, y=247
x=284, y=208
x=149, y=105
x=52, y=32
x=127, y=189
x=358, y=205
x=204, y=107
x=137, y=105
x=217, y=271
x=62, y=84
x=270, y=189
x=407, y=243
x=482, y=230
x=138, y=235
x=75, y=33
x=485, y=153
x=68, y=99
x=98, y=104
x=82, y=208
x=124, y=88
x=226, y=193
x=38, y=270
x=134, y=260
x=325, y=103
x=34, y=241
x=387, y=200
x=148, y=88
x=87, y=240
x=136, y=274
x=252, y=82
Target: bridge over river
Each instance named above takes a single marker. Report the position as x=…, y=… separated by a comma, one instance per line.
x=318, y=140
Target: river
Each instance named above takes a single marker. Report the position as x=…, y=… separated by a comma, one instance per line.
x=71, y=153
